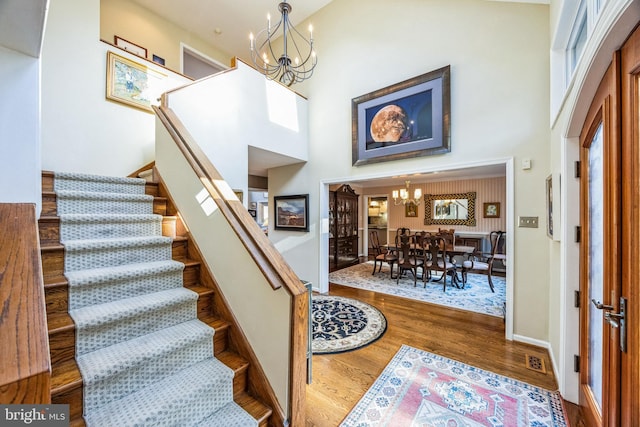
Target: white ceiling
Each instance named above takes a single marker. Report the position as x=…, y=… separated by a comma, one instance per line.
x=233, y=19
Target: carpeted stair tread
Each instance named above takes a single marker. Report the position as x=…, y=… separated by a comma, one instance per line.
x=232, y=414
x=102, y=325
x=90, y=195
x=100, y=183
x=84, y=202
x=123, y=272
x=112, y=372
x=127, y=242
x=106, y=284
x=184, y=398
x=83, y=226
x=98, y=253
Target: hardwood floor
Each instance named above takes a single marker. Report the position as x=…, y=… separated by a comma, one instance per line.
x=340, y=380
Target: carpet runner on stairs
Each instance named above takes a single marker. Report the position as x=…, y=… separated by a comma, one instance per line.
x=145, y=358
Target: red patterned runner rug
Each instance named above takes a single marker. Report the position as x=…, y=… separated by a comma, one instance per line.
x=418, y=388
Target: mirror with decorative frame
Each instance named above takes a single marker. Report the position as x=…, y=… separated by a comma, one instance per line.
x=450, y=209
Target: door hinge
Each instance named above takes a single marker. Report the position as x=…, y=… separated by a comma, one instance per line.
x=576, y=299
x=576, y=363
x=578, y=234
x=576, y=171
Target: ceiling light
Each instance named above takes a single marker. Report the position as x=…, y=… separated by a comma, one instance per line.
x=293, y=65
x=402, y=196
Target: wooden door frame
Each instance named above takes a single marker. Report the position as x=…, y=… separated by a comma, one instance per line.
x=630, y=223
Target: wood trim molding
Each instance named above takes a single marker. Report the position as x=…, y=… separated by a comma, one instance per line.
x=26, y=365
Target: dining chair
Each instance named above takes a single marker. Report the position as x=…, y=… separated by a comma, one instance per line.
x=381, y=254
x=484, y=263
x=448, y=235
x=407, y=260
x=438, y=260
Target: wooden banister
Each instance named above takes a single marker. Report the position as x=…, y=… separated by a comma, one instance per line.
x=267, y=258
x=25, y=365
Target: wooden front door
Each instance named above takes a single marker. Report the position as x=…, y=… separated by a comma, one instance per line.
x=610, y=216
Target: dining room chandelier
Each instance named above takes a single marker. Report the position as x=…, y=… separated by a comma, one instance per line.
x=402, y=196
x=297, y=60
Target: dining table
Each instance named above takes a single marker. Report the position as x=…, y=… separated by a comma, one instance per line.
x=452, y=251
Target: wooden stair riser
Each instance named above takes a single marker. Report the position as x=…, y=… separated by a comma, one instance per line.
x=57, y=294
x=53, y=258
x=49, y=205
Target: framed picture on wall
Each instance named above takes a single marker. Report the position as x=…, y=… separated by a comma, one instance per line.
x=491, y=210
x=130, y=46
x=291, y=212
x=132, y=83
x=411, y=210
x=549, y=197
x=404, y=120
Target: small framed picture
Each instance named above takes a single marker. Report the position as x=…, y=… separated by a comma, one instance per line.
x=549, y=197
x=291, y=212
x=130, y=46
x=410, y=210
x=492, y=210
x=158, y=60
x=253, y=213
x=238, y=194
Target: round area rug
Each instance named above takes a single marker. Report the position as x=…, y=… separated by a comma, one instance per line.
x=342, y=324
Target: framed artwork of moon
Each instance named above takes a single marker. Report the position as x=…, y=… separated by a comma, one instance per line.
x=408, y=119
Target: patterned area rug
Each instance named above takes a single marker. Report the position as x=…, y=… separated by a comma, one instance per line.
x=418, y=388
x=342, y=324
x=476, y=295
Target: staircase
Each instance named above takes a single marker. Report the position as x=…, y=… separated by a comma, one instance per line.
x=183, y=382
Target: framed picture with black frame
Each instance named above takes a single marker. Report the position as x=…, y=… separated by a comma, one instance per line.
x=291, y=212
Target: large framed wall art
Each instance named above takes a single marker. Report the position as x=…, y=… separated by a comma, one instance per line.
x=408, y=119
x=132, y=83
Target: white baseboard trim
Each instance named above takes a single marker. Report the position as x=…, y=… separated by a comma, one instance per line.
x=544, y=344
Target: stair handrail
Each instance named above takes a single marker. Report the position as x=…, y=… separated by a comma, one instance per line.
x=267, y=258
x=25, y=372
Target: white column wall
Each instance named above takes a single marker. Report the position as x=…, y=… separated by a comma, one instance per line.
x=19, y=128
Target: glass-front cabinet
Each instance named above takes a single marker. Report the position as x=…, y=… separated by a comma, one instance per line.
x=343, y=228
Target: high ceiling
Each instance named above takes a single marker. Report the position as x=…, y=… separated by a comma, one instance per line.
x=226, y=24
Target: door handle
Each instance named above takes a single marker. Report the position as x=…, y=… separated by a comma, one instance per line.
x=618, y=320
x=601, y=306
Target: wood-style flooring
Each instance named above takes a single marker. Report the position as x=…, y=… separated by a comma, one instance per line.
x=340, y=380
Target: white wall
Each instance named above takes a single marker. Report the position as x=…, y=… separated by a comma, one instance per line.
x=81, y=130
x=19, y=128
x=499, y=57
x=230, y=112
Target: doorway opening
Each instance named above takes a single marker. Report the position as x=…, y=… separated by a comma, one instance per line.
x=197, y=65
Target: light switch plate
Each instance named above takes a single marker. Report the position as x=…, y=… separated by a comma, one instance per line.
x=528, y=221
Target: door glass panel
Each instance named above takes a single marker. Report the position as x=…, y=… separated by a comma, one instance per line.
x=596, y=227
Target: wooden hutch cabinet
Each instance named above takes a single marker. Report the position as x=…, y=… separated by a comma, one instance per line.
x=343, y=228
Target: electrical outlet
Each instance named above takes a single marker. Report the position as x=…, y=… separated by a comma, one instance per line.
x=528, y=221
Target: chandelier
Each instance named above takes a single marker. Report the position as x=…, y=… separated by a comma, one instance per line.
x=404, y=195
x=292, y=66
